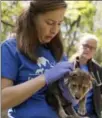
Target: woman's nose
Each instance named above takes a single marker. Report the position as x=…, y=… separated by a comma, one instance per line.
x=54, y=30
x=88, y=49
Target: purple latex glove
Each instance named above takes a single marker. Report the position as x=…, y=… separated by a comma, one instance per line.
x=57, y=72
x=66, y=93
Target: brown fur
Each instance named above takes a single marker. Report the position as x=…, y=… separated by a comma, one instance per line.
x=79, y=83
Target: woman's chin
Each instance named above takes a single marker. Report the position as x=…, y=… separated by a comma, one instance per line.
x=45, y=41
x=86, y=56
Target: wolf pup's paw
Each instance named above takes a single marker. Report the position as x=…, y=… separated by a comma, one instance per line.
x=70, y=116
x=62, y=114
x=82, y=111
x=73, y=116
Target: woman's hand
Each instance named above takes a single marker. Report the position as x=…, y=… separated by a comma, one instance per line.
x=57, y=72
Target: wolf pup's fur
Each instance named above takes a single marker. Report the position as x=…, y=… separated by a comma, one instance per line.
x=79, y=83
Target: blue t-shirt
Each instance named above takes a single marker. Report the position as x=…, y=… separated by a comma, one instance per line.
x=20, y=69
x=89, y=99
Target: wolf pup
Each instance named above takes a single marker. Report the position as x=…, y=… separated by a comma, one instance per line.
x=78, y=83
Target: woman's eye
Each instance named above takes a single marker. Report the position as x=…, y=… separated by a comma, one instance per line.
x=59, y=24
x=50, y=23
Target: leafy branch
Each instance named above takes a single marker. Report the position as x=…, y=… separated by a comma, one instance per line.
x=7, y=23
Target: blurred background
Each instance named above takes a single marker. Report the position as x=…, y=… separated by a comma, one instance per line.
x=80, y=17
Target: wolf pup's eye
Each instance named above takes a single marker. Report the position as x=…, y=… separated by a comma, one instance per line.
x=74, y=74
x=84, y=88
x=74, y=85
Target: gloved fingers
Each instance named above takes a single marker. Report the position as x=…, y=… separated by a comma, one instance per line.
x=65, y=64
x=68, y=65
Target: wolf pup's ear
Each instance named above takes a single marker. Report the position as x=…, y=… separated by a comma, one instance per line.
x=91, y=78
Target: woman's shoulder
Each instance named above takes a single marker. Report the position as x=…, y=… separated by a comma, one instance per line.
x=64, y=57
x=9, y=45
x=96, y=64
x=9, y=41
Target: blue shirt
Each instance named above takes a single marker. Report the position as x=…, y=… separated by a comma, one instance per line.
x=89, y=99
x=19, y=69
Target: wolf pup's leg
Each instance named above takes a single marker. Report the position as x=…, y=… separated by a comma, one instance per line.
x=61, y=111
x=82, y=107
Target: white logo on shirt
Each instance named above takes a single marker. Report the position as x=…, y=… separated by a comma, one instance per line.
x=42, y=63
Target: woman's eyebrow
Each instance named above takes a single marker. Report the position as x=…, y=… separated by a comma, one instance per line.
x=54, y=20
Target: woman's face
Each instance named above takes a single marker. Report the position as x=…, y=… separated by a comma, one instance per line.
x=87, y=49
x=48, y=24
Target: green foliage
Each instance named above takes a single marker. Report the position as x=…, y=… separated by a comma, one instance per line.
x=79, y=18
x=98, y=55
x=10, y=11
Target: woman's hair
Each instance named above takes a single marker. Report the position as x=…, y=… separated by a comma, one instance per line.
x=87, y=37
x=84, y=37
x=26, y=34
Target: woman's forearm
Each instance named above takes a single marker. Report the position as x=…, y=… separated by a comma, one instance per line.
x=15, y=95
